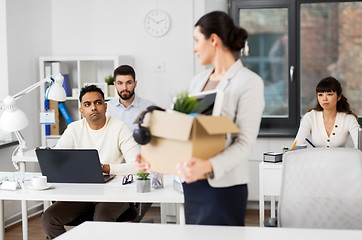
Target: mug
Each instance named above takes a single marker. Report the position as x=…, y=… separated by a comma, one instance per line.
x=39, y=182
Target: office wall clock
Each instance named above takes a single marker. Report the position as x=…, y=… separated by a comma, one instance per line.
x=157, y=22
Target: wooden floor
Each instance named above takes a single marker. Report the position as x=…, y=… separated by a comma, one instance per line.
x=36, y=232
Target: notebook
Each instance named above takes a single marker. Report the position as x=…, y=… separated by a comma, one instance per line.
x=71, y=165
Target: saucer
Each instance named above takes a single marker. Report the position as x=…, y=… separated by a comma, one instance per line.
x=31, y=187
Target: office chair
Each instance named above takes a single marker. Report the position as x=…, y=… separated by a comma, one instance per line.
x=321, y=188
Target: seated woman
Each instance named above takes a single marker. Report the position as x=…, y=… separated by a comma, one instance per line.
x=331, y=121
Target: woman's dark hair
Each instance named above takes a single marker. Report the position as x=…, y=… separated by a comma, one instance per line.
x=330, y=84
x=90, y=88
x=222, y=25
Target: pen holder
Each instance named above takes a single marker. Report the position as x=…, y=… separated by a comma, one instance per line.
x=156, y=180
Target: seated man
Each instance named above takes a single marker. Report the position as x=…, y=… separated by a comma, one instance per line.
x=129, y=105
x=114, y=142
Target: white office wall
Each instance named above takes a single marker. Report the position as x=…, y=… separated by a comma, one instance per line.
x=3, y=51
x=116, y=27
x=215, y=5
x=28, y=37
x=3, y=61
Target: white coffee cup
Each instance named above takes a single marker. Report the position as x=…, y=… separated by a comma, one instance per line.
x=39, y=182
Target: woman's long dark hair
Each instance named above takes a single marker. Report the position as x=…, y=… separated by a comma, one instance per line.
x=330, y=84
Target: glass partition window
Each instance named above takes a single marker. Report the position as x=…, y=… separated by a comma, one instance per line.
x=293, y=45
x=268, y=54
x=331, y=45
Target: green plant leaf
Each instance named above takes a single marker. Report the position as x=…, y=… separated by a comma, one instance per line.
x=142, y=176
x=109, y=80
x=184, y=103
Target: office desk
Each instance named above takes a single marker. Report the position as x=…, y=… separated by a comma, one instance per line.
x=91, y=193
x=270, y=181
x=141, y=231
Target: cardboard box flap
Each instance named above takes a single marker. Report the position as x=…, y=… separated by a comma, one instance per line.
x=217, y=125
x=172, y=125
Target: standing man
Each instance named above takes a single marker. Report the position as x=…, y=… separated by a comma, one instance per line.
x=129, y=106
x=117, y=152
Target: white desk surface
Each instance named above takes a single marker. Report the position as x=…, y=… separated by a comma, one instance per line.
x=141, y=231
x=112, y=191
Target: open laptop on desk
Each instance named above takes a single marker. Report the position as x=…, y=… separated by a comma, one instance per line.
x=71, y=165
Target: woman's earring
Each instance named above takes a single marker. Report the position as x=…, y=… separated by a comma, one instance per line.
x=245, y=50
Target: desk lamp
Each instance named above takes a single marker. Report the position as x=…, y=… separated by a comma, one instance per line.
x=14, y=119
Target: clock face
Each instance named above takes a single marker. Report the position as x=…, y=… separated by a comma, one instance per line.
x=157, y=22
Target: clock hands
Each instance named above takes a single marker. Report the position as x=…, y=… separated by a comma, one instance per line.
x=158, y=19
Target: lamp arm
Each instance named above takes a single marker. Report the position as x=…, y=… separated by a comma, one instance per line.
x=20, y=148
x=32, y=87
x=21, y=142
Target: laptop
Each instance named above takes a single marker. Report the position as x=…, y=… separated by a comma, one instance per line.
x=71, y=165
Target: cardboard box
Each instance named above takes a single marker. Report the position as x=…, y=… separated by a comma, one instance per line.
x=176, y=137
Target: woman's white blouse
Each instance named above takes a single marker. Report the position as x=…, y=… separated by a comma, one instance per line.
x=312, y=127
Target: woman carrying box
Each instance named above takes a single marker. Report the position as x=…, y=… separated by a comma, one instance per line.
x=221, y=198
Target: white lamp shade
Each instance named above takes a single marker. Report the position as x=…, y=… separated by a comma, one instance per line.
x=56, y=91
x=13, y=120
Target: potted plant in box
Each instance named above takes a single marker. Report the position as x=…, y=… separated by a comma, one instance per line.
x=111, y=88
x=185, y=104
x=143, y=183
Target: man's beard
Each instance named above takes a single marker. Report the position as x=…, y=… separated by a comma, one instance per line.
x=126, y=97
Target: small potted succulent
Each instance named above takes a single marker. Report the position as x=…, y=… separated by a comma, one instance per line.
x=111, y=88
x=143, y=182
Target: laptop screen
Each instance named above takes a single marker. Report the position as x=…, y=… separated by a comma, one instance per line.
x=70, y=165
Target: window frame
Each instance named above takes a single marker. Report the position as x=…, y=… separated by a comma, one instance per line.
x=287, y=126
